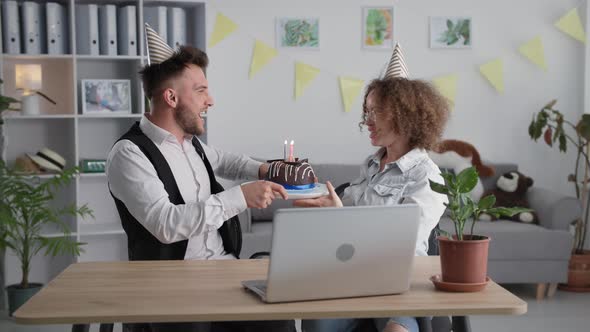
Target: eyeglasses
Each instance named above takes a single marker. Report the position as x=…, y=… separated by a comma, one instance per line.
x=370, y=115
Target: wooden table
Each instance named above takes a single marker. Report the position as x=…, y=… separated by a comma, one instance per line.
x=177, y=291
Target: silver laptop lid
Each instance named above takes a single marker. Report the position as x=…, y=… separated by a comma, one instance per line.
x=321, y=253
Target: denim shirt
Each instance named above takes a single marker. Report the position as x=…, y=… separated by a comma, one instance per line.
x=403, y=181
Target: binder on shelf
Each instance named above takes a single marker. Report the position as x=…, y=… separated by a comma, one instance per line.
x=32, y=22
x=10, y=27
x=107, y=17
x=57, y=28
x=127, y=32
x=87, y=29
x=157, y=18
x=176, y=27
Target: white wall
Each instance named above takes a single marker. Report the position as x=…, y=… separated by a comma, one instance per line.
x=255, y=116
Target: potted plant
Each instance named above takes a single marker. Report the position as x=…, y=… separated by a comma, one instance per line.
x=552, y=125
x=6, y=104
x=25, y=208
x=464, y=256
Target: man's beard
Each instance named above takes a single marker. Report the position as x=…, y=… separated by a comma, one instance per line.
x=188, y=121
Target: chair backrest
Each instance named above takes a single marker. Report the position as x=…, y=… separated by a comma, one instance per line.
x=425, y=324
x=432, y=241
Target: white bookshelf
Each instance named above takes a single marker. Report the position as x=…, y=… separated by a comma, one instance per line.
x=78, y=136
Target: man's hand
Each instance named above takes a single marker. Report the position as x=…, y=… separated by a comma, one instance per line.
x=331, y=199
x=263, y=171
x=260, y=194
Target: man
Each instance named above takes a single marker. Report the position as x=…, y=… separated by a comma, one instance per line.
x=161, y=176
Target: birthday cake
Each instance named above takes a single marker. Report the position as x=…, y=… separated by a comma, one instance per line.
x=293, y=175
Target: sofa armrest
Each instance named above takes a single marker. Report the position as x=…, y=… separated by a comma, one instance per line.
x=555, y=211
x=245, y=220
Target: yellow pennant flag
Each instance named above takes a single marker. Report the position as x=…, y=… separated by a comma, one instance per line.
x=304, y=74
x=222, y=28
x=494, y=72
x=261, y=57
x=571, y=24
x=534, y=51
x=447, y=86
x=350, y=89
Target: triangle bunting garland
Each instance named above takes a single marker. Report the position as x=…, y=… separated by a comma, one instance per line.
x=447, y=86
x=223, y=27
x=534, y=51
x=262, y=55
x=350, y=88
x=493, y=71
x=571, y=24
x=304, y=74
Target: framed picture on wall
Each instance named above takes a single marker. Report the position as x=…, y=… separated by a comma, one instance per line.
x=377, y=25
x=450, y=32
x=298, y=32
x=106, y=96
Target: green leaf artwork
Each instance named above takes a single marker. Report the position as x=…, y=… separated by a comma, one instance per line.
x=300, y=33
x=378, y=26
x=451, y=32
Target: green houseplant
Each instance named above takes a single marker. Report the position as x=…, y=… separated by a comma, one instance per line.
x=25, y=208
x=556, y=130
x=463, y=255
x=6, y=104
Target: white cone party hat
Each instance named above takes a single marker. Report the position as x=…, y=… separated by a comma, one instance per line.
x=397, y=65
x=158, y=50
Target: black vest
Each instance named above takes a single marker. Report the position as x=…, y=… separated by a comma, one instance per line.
x=141, y=244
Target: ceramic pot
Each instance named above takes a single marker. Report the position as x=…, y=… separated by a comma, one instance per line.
x=464, y=261
x=18, y=296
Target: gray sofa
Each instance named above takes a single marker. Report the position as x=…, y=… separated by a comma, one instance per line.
x=519, y=253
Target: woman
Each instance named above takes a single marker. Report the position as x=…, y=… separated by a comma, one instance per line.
x=404, y=118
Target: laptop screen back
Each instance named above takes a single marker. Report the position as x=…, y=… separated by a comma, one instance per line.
x=320, y=253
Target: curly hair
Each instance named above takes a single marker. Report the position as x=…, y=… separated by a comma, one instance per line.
x=417, y=110
x=155, y=75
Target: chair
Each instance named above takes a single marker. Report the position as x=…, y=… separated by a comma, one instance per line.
x=425, y=324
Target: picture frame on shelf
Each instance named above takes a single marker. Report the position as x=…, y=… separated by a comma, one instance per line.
x=298, y=33
x=106, y=96
x=377, y=28
x=451, y=32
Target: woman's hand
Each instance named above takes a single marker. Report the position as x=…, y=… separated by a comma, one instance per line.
x=331, y=199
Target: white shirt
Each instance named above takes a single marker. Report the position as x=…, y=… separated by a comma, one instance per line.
x=403, y=181
x=133, y=180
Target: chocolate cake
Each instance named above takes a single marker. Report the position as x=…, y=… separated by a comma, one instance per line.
x=292, y=175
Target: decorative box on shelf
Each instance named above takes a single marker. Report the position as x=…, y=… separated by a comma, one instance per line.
x=92, y=165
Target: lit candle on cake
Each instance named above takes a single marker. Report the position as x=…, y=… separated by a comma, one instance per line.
x=285, y=151
x=291, y=157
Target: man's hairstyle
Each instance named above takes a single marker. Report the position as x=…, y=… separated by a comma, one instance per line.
x=415, y=107
x=155, y=75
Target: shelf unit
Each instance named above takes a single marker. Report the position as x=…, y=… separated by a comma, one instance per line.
x=76, y=136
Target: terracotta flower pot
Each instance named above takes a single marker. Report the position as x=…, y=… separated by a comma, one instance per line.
x=464, y=261
x=578, y=276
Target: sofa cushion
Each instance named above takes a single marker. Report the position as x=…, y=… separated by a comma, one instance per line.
x=519, y=241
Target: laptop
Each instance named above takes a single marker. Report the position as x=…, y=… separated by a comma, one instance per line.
x=325, y=253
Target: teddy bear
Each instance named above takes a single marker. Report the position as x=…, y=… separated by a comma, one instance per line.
x=511, y=192
x=459, y=155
